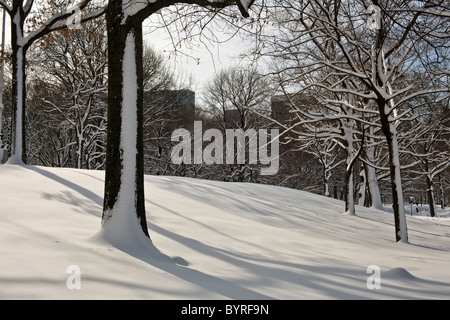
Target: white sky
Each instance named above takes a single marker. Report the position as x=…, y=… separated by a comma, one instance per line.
x=211, y=59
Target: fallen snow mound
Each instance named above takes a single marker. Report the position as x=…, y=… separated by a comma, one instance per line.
x=399, y=274
x=210, y=240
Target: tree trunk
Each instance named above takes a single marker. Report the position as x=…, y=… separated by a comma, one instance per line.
x=431, y=201
x=371, y=176
x=349, y=200
x=374, y=190
x=430, y=190
x=80, y=147
x=442, y=193
x=362, y=189
x=389, y=130
x=352, y=156
x=348, y=183
x=326, y=185
x=18, y=150
x=326, y=188
x=124, y=177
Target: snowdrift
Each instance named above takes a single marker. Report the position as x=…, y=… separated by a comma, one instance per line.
x=211, y=240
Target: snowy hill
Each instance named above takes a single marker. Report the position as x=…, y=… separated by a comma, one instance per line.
x=214, y=240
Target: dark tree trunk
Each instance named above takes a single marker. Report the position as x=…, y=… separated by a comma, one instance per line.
x=118, y=32
x=18, y=147
x=368, y=190
x=430, y=191
x=348, y=192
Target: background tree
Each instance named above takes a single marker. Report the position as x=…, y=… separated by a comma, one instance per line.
x=325, y=151
x=168, y=104
x=49, y=16
x=369, y=63
x=73, y=62
x=430, y=153
x=241, y=89
x=232, y=97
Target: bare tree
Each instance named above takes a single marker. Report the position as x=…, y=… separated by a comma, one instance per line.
x=241, y=89
x=75, y=64
x=327, y=152
x=427, y=146
x=41, y=23
x=369, y=63
x=233, y=96
x=330, y=123
x=124, y=205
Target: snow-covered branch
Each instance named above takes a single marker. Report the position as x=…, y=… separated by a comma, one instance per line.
x=5, y=6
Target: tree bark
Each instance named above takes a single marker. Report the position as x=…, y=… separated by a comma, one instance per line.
x=442, y=193
x=388, y=128
x=431, y=201
x=124, y=168
x=326, y=187
x=430, y=190
x=349, y=199
x=18, y=147
x=374, y=190
x=373, y=194
x=348, y=183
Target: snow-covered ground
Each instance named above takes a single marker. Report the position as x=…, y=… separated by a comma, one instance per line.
x=213, y=240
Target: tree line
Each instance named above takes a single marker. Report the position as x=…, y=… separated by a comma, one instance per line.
x=359, y=90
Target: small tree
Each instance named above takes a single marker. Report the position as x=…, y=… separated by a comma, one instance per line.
x=427, y=147
x=75, y=64
x=40, y=24
x=240, y=89
x=233, y=96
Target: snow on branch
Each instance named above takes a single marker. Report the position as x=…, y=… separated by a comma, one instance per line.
x=423, y=93
x=62, y=20
x=5, y=6
x=27, y=7
x=139, y=10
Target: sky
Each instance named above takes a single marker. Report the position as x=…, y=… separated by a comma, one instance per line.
x=200, y=61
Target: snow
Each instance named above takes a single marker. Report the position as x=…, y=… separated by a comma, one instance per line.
x=212, y=240
x=132, y=7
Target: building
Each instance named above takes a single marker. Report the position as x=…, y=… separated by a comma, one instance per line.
x=232, y=118
x=174, y=108
x=282, y=106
